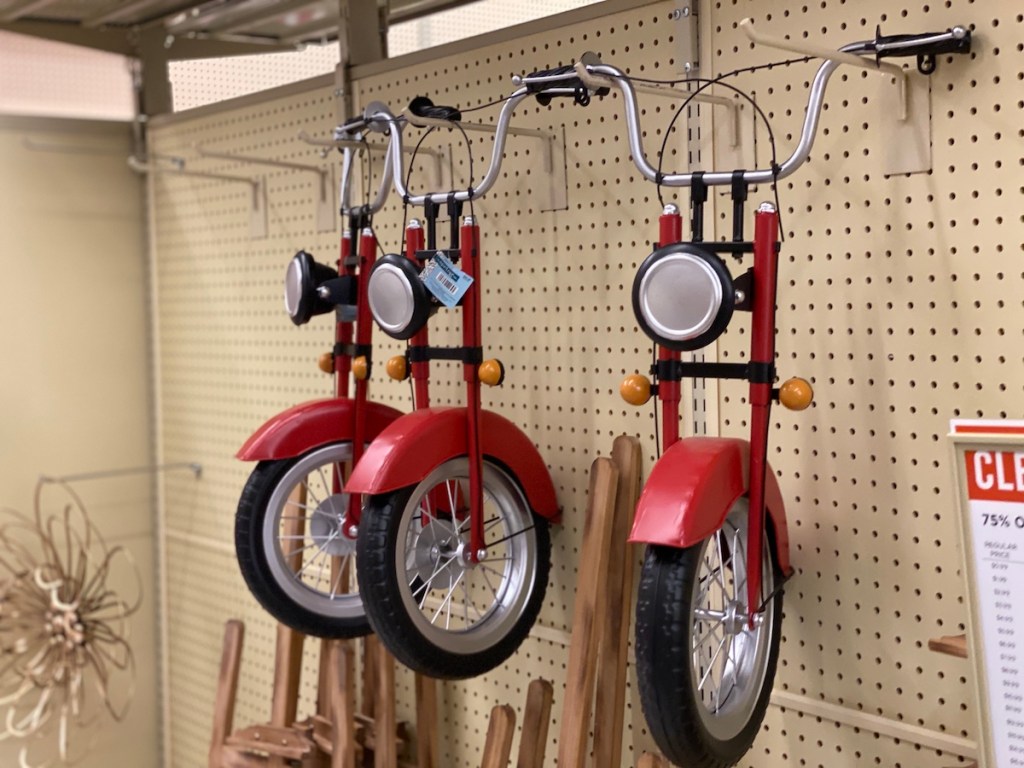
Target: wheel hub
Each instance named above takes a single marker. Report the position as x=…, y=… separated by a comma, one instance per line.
x=326, y=526
x=735, y=620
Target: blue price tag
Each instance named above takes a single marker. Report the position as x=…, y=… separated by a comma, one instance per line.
x=446, y=281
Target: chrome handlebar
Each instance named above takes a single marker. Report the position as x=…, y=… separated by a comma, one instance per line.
x=349, y=137
x=378, y=117
x=596, y=76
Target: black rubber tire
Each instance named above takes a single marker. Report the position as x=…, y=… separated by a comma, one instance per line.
x=381, y=587
x=253, y=508
x=663, y=658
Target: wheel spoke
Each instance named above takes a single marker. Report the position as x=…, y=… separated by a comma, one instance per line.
x=511, y=536
x=337, y=580
x=711, y=664
x=483, y=572
x=426, y=586
x=709, y=633
x=448, y=597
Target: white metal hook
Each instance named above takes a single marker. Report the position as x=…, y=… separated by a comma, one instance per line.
x=547, y=138
x=823, y=52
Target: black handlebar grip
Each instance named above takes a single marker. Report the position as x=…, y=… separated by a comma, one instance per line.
x=421, y=106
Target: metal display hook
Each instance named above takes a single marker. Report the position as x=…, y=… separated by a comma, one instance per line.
x=328, y=144
x=195, y=467
x=326, y=217
x=258, y=208
x=68, y=149
x=550, y=147
x=823, y=52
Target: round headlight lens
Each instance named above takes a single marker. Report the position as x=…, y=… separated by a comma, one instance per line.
x=683, y=297
x=398, y=299
x=294, y=279
x=301, y=280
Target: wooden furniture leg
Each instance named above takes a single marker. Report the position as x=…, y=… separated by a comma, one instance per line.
x=426, y=722
x=498, y=746
x=385, y=748
x=536, y=720
x=342, y=707
x=588, y=615
x=227, y=690
x=610, y=706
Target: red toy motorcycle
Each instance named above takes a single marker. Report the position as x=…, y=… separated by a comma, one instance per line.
x=454, y=550
x=295, y=528
x=709, y=610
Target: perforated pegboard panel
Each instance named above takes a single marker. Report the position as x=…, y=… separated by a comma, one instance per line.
x=897, y=300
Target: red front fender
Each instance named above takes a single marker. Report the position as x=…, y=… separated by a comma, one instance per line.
x=406, y=452
x=308, y=425
x=691, y=490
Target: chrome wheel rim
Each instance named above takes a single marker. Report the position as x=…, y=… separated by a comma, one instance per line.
x=460, y=606
x=729, y=658
x=304, y=518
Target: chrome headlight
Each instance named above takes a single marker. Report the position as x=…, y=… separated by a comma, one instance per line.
x=303, y=277
x=683, y=296
x=399, y=301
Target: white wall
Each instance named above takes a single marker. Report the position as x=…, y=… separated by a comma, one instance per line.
x=74, y=391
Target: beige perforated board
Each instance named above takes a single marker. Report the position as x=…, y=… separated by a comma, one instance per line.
x=899, y=300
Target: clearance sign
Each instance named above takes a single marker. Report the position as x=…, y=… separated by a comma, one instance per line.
x=989, y=459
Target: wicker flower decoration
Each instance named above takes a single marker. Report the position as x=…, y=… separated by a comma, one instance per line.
x=64, y=652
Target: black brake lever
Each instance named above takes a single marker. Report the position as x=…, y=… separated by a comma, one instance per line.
x=925, y=47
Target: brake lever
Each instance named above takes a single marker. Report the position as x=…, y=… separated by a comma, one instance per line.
x=956, y=40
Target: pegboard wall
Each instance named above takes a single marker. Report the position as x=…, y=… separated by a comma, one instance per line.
x=899, y=299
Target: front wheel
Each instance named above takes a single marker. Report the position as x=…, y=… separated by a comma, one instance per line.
x=705, y=675
x=295, y=557
x=436, y=610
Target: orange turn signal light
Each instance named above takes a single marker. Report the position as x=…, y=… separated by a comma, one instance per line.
x=635, y=389
x=398, y=368
x=360, y=368
x=492, y=372
x=326, y=362
x=796, y=394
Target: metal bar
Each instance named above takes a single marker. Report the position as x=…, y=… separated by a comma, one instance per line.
x=118, y=12
x=195, y=467
x=548, y=138
x=501, y=132
x=226, y=17
x=204, y=152
x=708, y=98
x=69, y=149
x=320, y=28
x=841, y=57
x=142, y=167
x=25, y=9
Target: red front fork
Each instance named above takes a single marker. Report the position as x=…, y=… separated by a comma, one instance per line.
x=343, y=330
x=414, y=242
x=469, y=249
x=670, y=230
x=364, y=337
x=762, y=355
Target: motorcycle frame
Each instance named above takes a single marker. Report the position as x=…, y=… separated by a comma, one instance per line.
x=353, y=338
x=536, y=481
x=763, y=283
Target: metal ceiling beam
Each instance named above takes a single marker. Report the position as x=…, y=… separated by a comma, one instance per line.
x=24, y=9
x=210, y=16
x=214, y=46
x=110, y=40
x=326, y=27
x=120, y=12
x=254, y=19
x=408, y=10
